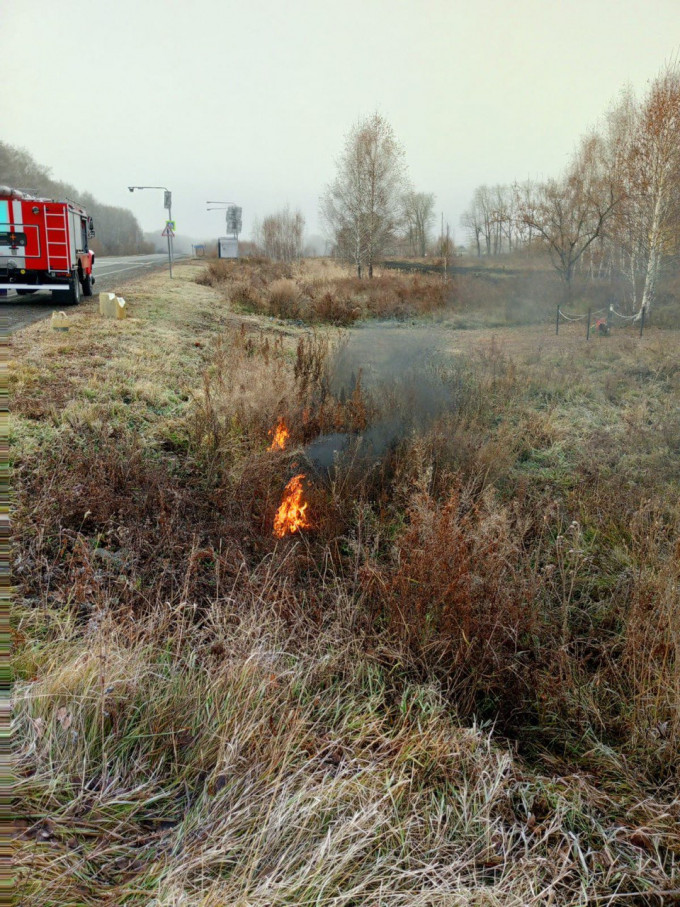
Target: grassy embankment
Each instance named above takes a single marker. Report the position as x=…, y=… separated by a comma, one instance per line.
x=461, y=687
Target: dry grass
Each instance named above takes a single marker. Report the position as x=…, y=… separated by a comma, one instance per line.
x=250, y=762
x=319, y=292
x=462, y=687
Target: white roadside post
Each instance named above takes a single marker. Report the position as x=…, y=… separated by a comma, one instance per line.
x=169, y=232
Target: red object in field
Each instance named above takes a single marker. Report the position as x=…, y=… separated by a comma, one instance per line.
x=44, y=246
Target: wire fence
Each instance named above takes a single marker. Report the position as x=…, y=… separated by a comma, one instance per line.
x=602, y=325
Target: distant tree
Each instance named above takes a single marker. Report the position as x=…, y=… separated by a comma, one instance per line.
x=280, y=236
x=569, y=214
x=482, y=220
x=419, y=217
x=361, y=208
x=484, y=207
x=522, y=195
x=471, y=222
x=445, y=245
x=492, y=221
x=504, y=219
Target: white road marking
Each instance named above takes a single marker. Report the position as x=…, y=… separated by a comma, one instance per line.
x=146, y=264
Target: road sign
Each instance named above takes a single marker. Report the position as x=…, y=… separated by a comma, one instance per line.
x=234, y=221
x=170, y=224
x=168, y=230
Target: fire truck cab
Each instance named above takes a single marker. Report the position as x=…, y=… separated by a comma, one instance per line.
x=44, y=246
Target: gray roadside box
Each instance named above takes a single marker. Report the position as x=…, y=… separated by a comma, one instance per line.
x=227, y=247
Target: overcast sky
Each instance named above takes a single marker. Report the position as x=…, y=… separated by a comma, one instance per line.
x=250, y=101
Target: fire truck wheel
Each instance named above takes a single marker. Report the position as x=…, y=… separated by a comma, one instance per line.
x=73, y=295
x=87, y=285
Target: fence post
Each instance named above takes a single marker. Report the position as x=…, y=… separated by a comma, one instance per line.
x=642, y=319
x=588, y=328
x=557, y=320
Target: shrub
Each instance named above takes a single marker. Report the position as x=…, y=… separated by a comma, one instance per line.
x=458, y=597
x=218, y=271
x=284, y=298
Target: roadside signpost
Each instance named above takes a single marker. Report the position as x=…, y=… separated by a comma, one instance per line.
x=227, y=246
x=169, y=233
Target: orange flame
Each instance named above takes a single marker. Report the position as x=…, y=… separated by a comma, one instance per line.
x=281, y=436
x=292, y=513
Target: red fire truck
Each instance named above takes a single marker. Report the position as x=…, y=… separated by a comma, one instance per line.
x=44, y=246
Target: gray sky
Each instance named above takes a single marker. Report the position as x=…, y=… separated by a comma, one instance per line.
x=250, y=101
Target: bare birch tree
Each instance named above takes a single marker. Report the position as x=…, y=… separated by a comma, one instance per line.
x=654, y=178
x=361, y=208
x=419, y=217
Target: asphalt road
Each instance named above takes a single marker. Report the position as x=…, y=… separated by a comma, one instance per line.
x=110, y=272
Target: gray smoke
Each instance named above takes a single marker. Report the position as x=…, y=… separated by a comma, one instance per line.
x=403, y=373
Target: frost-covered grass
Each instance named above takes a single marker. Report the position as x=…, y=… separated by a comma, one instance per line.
x=462, y=687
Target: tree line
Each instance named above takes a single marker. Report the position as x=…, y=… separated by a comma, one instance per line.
x=615, y=210
x=117, y=230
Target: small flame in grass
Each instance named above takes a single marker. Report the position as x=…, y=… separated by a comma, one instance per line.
x=281, y=436
x=292, y=513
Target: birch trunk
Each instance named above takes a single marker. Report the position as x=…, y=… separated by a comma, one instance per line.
x=654, y=258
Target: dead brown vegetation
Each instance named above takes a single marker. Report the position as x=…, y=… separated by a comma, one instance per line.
x=300, y=292
x=205, y=700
